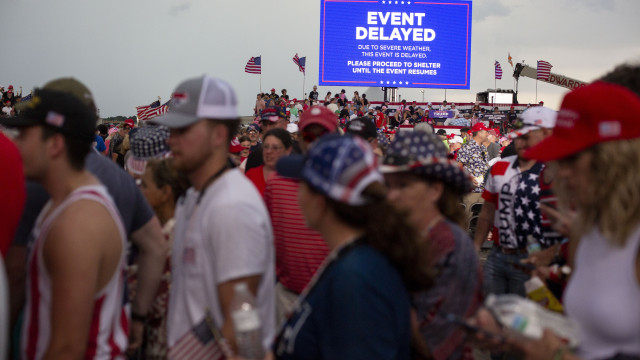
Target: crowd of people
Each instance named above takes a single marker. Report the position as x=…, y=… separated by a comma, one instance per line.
x=387, y=115
x=9, y=98
x=352, y=232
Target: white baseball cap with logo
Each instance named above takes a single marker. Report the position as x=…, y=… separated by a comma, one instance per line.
x=204, y=97
x=535, y=118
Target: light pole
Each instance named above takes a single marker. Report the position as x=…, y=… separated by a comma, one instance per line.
x=422, y=91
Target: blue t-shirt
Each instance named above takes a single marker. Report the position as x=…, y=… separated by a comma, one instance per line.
x=100, y=146
x=358, y=309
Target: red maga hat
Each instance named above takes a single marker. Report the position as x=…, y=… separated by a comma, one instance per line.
x=583, y=122
x=478, y=127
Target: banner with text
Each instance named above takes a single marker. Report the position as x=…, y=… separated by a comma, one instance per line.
x=395, y=43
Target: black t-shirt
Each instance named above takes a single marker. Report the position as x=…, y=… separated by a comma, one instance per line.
x=131, y=204
x=313, y=95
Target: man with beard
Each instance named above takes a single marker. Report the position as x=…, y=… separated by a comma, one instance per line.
x=223, y=236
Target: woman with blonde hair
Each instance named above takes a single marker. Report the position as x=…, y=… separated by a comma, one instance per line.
x=597, y=151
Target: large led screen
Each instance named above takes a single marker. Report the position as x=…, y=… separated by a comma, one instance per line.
x=386, y=43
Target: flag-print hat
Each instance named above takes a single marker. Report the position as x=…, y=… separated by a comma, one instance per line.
x=272, y=114
x=253, y=127
x=583, y=122
x=426, y=155
x=148, y=142
x=339, y=167
x=535, y=118
x=204, y=97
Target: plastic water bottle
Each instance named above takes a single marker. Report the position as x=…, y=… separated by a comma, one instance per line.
x=246, y=323
x=533, y=246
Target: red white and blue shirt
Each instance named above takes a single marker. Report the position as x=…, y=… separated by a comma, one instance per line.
x=500, y=189
x=108, y=334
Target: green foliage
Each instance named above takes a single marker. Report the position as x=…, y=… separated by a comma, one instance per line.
x=115, y=119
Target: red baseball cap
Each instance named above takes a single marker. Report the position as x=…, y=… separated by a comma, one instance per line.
x=583, y=122
x=235, y=147
x=130, y=123
x=319, y=115
x=478, y=127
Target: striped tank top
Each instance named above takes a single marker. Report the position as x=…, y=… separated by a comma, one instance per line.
x=108, y=333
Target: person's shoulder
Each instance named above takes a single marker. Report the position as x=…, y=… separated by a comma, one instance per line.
x=253, y=171
x=465, y=148
x=87, y=216
x=364, y=261
x=231, y=191
x=110, y=174
x=501, y=166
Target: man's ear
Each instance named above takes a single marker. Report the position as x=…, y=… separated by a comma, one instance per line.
x=56, y=146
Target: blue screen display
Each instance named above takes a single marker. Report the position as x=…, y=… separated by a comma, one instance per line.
x=395, y=43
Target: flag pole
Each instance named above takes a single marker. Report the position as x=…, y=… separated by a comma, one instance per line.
x=261, y=81
x=536, y=91
x=304, y=76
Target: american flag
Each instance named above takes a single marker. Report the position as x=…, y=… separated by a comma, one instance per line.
x=146, y=112
x=26, y=98
x=300, y=61
x=526, y=207
x=544, y=70
x=498, y=70
x=200, y=343
x=254, y=65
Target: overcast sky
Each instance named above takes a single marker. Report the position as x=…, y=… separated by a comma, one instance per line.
x=129, y=52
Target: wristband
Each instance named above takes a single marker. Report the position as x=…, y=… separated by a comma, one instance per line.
x=138, y=317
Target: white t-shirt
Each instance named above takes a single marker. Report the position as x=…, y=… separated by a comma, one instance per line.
x=226, y=237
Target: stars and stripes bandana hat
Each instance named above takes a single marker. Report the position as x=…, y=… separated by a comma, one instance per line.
x=148, y=142
x=340, y=167
x=425, y=154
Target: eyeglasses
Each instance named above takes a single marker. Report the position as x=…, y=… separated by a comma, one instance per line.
x=272, y=147
x=310, y=136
